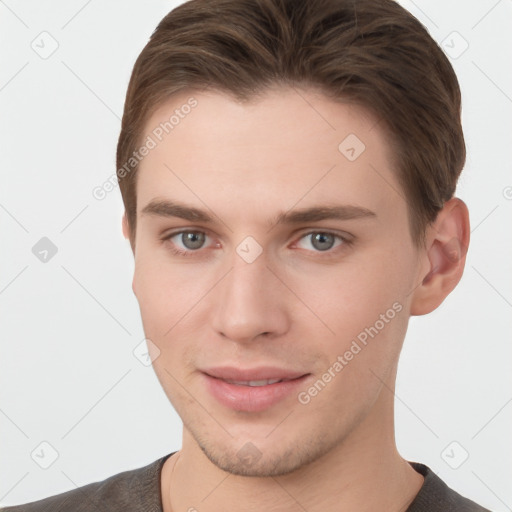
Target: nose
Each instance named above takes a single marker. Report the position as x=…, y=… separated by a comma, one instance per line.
x=250, y=302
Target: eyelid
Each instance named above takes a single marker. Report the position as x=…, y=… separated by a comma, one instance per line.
x=167, y=235
x=178, y=231
x=339, y=234
x=345, y=238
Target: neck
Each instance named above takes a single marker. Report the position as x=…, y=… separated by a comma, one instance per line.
x=364, y=472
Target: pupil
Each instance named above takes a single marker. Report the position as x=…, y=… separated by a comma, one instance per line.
x=323, y=241
x=192, y=240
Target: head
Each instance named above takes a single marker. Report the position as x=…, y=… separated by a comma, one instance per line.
x=288, y=170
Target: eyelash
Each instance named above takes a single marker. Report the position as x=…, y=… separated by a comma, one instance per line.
x=346, y=242
x=180, y=252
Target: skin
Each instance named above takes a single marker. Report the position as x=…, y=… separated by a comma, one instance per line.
x=245, y=163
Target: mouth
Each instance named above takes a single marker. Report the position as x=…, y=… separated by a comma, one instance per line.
x=256, y=383
x=260, y=390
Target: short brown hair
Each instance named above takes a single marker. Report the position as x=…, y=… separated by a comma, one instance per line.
x=373, y=53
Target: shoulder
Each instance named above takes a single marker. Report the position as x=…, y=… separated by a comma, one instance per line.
x=137, y=489
x=436, y=496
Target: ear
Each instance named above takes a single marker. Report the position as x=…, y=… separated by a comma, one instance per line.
x=127, y=232
x=447, y=241
x=126, y=228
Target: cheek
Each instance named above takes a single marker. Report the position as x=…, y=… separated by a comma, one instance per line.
x=353, y=295
x=171, y=299
x=366, y=309
x=166, y=297
x=163, y=293
x=366, y=305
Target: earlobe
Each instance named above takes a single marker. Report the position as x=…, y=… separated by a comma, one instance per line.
x=447, y=244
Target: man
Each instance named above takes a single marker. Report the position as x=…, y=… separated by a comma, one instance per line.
x=288, y=170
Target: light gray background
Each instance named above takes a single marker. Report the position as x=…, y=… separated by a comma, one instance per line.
x=68, y=327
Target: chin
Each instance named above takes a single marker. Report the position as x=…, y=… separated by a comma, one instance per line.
x=271, y=461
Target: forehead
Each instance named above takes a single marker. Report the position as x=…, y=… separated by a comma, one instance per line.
x=284, y=147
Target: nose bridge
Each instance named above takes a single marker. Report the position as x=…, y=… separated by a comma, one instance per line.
x=245, y=289
x=247, y=304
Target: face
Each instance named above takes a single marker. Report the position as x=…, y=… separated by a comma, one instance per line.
x=272, y=243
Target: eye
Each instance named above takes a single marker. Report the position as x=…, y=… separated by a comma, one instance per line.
x=321, y=241
x=192, y=239
x=186, y=242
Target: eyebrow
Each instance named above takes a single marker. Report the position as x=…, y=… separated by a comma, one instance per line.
x=167, y=208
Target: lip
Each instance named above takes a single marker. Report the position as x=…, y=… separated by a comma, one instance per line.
x=251, y=398
x=259, y=373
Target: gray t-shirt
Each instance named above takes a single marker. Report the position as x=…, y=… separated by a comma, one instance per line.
x=139, y=490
